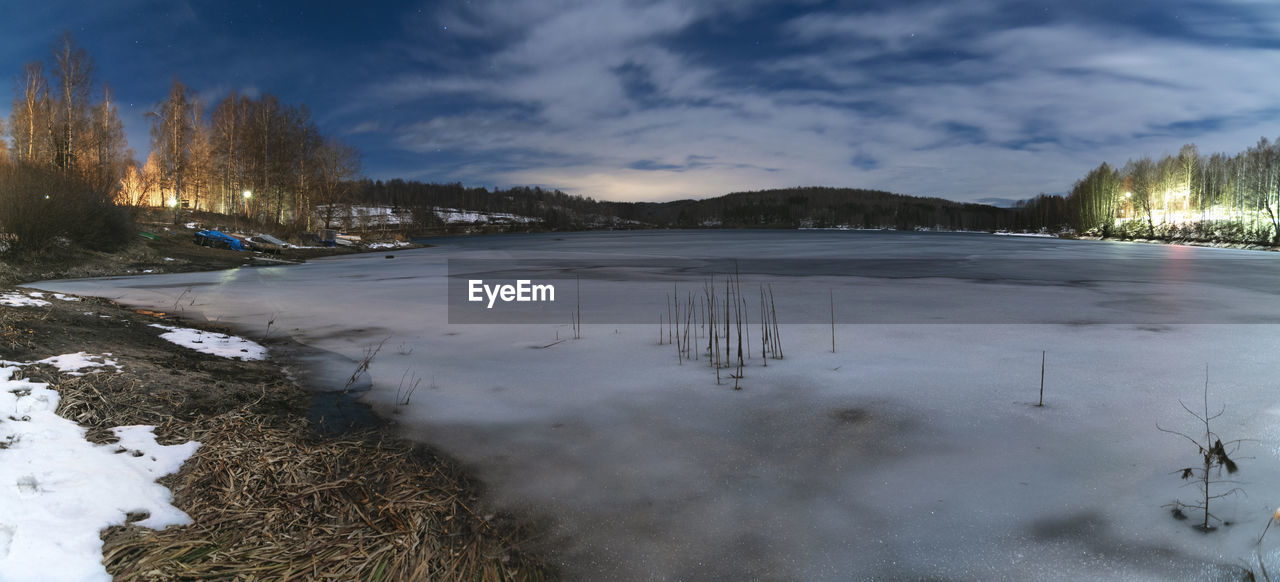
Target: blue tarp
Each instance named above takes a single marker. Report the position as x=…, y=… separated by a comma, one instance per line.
x=215, y=238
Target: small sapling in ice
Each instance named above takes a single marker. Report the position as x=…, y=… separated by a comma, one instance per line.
x=1214, y=456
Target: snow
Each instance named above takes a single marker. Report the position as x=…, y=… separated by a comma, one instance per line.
x=389, y=245
x=217, y=344
x=362, y=216
x=71, y=364
x=456, y=216
x=914, y=451
x=383, y=216
x=61, y=297
x=58, y=491
x=17, y=299
x=1026, y=234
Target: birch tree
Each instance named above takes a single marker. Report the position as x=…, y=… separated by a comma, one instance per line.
x=171, y=137
x=29, y=120
x=73, y=70
x=338, y=163
x=107, y=143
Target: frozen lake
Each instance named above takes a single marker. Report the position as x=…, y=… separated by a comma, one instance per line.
x=913, y=451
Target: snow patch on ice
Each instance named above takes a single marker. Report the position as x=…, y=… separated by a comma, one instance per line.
x=217, y=344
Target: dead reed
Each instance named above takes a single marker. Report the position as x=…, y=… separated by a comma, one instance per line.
x=270, y=501
x=719, y=321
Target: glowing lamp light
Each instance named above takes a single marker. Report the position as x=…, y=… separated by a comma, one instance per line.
x=1128, y=194
x=173, y=202
x=247, y=194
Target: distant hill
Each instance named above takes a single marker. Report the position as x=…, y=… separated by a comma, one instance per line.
x=820, y=207
x=806, y=207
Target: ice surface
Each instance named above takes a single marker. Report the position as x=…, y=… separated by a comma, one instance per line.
x=914, y=451
x=58, y=491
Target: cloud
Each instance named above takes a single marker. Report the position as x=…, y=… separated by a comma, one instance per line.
x=893, y=29
x=976, y=100
x=364, y=127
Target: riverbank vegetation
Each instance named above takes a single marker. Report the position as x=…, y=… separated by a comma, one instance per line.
x=270, y=495
x=1186, y=196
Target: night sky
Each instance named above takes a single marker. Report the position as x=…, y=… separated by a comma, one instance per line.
x=665, y=99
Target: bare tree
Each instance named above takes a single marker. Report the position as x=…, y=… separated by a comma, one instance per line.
x=132, y=187
x=107, y=143
x=1142, y=180
x=29, y=121
x=1191, y=175
x=228, y=128
x=73, y=70
x=1263, y=164
x=339, y=163
x=199, y=178
x=171, y=136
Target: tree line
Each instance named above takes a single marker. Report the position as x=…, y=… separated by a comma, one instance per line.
x=248, y=156
x=1185, y=196
x=64, y=159
x=241, y=155
x=817, y=207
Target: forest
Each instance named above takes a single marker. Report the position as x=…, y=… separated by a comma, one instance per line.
x=1188, y=196
x=802, y=207
x=68, y=170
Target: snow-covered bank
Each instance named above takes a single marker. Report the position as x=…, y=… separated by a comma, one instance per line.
x=58, y=490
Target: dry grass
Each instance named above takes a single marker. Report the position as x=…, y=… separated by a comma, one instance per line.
x=271, y=503
x=272, y=500
x=13, y=334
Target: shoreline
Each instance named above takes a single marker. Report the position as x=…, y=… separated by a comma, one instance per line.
x=427, y=501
